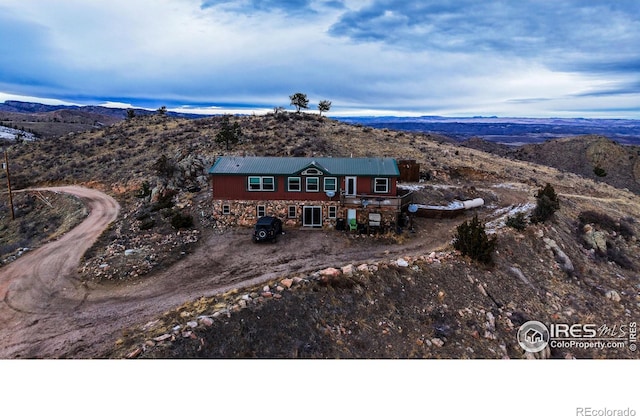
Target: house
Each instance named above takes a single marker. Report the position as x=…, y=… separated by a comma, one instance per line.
x=307, y=191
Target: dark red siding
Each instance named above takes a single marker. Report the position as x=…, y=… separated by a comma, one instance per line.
x=235, y=188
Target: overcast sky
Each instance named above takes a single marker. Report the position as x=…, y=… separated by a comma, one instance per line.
x=453, y=58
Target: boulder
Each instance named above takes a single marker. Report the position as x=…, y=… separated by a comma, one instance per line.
x=613, y=296
x=347, y=270
x=329, y=272
x=596, y=240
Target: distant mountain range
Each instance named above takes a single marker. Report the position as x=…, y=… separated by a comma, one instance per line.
x=512, y=131
x=47, y=121
x=118, y=113
x=39, y=119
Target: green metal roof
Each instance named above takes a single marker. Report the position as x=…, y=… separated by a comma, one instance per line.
x=339, y=166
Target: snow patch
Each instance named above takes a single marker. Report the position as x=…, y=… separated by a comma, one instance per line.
x=503, y=213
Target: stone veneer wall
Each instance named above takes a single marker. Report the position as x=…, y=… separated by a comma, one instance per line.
x=244, y=213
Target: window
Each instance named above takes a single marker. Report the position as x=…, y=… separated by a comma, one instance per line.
x=268, y=184
x=292, y=211
x=333, y=211
x=261, y=183
x=381, y=185
x=260, y=211
x=312, y=171
x=293, y=184
x=330, y=184
x=226, y=210
x=313, y=185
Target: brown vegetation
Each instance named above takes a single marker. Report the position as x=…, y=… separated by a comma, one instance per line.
x=391, y=313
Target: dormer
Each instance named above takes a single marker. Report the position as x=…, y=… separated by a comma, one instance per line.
x=313, y=169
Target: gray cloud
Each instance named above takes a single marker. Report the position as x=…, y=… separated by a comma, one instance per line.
x=559, y=33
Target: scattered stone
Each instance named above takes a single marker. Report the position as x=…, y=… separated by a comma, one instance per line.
x=437, y=342
x=280, y=288
x=176, y=328
x=329, y=272
x=287, y=283
x=192, y=324
x=613, y=296
x=491, y=322
x=206, y=321
x=489, y=335
x=364, y=268
x=481, y=289
x=347, y=270
x=402, y=262
x=162, y=338
x=243, y=303
x=267, y=294
x=149, y=343
x=563, y=260
x=277, y=296
x=266, y=289
x=130, y=252
x=150, y=325
x=135, y=353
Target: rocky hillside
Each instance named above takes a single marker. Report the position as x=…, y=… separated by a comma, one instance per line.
x=580, y=267
x=594, y=157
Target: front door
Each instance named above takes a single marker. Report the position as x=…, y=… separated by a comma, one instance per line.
x=350, y=186
x=312, y=216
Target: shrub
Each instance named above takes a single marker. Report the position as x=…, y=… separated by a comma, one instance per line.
x=547, y=204
x=165, y=200
x=519, y=221
x=147, y=223
x=599, y=171
x=164, y=167
x=618, y=256
x=472, y=240
x=604, y=221
x=144, y=191
x=179, y=221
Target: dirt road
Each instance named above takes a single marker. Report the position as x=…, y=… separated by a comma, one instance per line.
x=46, y=311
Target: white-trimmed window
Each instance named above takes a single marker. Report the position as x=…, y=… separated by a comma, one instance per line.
x=332, y=212
x=330, y=184
x=261, y=183
x=313, y=184
x=260, y=211
x=294, y=184
x=226, y=209
x=293, y=212
x=381, y=185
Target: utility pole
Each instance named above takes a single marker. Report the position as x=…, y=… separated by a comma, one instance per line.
x=6, y=167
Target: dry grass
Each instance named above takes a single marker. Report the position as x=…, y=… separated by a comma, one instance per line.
x=395, y=312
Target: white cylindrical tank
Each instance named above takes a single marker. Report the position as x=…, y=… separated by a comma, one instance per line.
x=473, y=203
